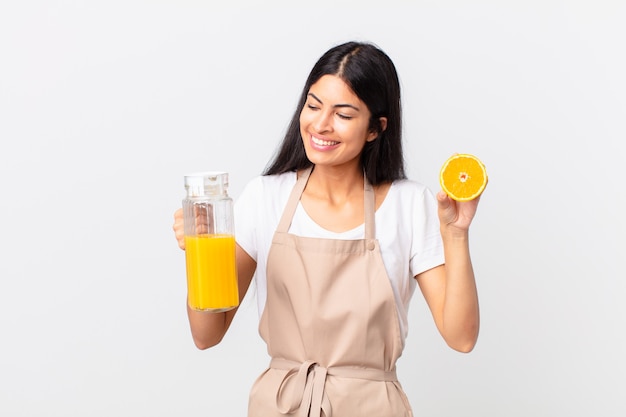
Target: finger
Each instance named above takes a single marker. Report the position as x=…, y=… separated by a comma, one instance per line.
x=443, y=199
x=179, y=228
x=447, y=208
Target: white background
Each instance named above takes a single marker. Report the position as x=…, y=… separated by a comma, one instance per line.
x=105, y=105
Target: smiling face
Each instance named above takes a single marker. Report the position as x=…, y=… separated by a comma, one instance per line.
x=334, y=124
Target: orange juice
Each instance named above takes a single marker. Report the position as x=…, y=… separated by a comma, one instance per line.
x=211, y=272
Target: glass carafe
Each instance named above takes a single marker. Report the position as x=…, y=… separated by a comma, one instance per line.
x=210, y=243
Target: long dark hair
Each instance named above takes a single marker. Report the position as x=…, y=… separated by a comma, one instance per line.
x=371, y=74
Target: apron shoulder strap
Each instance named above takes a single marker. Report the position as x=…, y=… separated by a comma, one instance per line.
x=292, y=203
x=370, y=210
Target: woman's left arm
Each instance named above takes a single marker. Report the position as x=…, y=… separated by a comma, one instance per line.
x=450, y=289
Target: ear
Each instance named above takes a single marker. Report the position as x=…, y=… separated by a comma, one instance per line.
x=382, y=126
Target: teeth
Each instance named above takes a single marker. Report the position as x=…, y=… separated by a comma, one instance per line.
x=323, y=142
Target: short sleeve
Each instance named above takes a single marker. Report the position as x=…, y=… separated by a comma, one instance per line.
x=246, y=213
x=427, y=248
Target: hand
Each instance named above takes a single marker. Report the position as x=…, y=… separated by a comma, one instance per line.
x=179, y=228
x=456, y=214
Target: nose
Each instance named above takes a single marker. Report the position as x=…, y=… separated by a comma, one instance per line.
x=323, y=122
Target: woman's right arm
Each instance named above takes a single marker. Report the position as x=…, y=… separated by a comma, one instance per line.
x=208, y=329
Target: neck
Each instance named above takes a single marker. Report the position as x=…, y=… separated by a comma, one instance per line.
x=334, y=182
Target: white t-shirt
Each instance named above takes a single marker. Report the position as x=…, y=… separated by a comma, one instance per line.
x=407, y=229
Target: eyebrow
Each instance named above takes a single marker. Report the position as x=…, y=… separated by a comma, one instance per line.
x=336, y=105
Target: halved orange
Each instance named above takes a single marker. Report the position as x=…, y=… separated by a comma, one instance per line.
x=463, y=177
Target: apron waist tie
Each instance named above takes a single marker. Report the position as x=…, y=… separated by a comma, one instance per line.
x=308, y=391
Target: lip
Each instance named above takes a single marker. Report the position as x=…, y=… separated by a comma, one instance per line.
x=321, y=144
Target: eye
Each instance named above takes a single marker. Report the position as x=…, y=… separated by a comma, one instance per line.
x=344, y=116
x=312, y=106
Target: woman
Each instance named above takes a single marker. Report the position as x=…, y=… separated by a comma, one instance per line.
x=339, y=239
